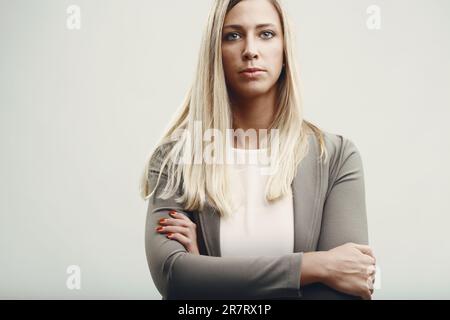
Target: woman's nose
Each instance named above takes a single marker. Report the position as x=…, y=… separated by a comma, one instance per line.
x=250, y=51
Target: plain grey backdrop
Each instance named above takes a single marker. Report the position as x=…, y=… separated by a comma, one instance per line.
x=82, y=108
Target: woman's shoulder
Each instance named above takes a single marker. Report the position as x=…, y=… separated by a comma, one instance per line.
x=335, y=144
x=343, y=153
x=159, y=153
x=338, y=144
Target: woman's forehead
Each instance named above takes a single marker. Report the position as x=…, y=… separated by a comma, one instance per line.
x=250, y=13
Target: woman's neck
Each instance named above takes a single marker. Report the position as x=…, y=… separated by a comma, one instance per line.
x=254, y=113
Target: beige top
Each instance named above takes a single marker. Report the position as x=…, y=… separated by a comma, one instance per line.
x=246, y=232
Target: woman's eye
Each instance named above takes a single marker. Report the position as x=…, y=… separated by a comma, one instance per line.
x=267, y=34
x=232, y=36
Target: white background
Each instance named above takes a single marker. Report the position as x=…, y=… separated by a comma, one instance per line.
x=81, y=110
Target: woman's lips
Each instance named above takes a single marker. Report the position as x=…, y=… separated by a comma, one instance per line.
x=252, y=74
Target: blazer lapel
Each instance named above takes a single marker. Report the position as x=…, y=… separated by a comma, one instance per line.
x=306, y=187
x=210, y=227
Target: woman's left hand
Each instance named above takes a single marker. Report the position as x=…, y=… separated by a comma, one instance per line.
x=180, y=228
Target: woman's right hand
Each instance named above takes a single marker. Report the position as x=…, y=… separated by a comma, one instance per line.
x=350, y=268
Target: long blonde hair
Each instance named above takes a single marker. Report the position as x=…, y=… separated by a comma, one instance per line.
x=207, y=101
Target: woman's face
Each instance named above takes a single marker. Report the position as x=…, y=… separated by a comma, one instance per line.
x=252, y=38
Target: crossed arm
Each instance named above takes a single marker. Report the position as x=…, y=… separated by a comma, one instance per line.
x=180, y=275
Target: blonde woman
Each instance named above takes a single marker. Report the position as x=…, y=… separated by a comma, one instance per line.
x=217, y=230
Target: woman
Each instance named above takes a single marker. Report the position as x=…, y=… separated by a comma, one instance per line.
x=217, y=230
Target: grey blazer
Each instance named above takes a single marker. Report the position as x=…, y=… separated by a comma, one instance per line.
x=329, y=210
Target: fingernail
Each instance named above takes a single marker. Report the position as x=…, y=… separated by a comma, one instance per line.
x=172, y=212
x=162, y=220
x=159, y=228
x=169, y=234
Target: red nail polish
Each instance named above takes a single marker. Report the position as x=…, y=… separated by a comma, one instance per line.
x=159, y=229
x=162, y=220
x=169, y=234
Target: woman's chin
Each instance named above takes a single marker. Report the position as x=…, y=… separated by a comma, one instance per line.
x=252, y=91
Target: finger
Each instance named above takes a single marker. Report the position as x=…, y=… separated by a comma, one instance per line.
x=370, y=282
x=178, y=215
x=369, y=289
x=180, y=238
x=173, y=222
x=173, y=229
x=369, y=260
x=367, y=295
x=365, y=249
x=183, y=217
x=371, y=270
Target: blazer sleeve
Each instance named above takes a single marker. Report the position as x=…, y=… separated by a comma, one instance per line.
x=344, y=216
x=178, y=274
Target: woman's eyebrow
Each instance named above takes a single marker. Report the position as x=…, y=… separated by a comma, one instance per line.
x=238, y=26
